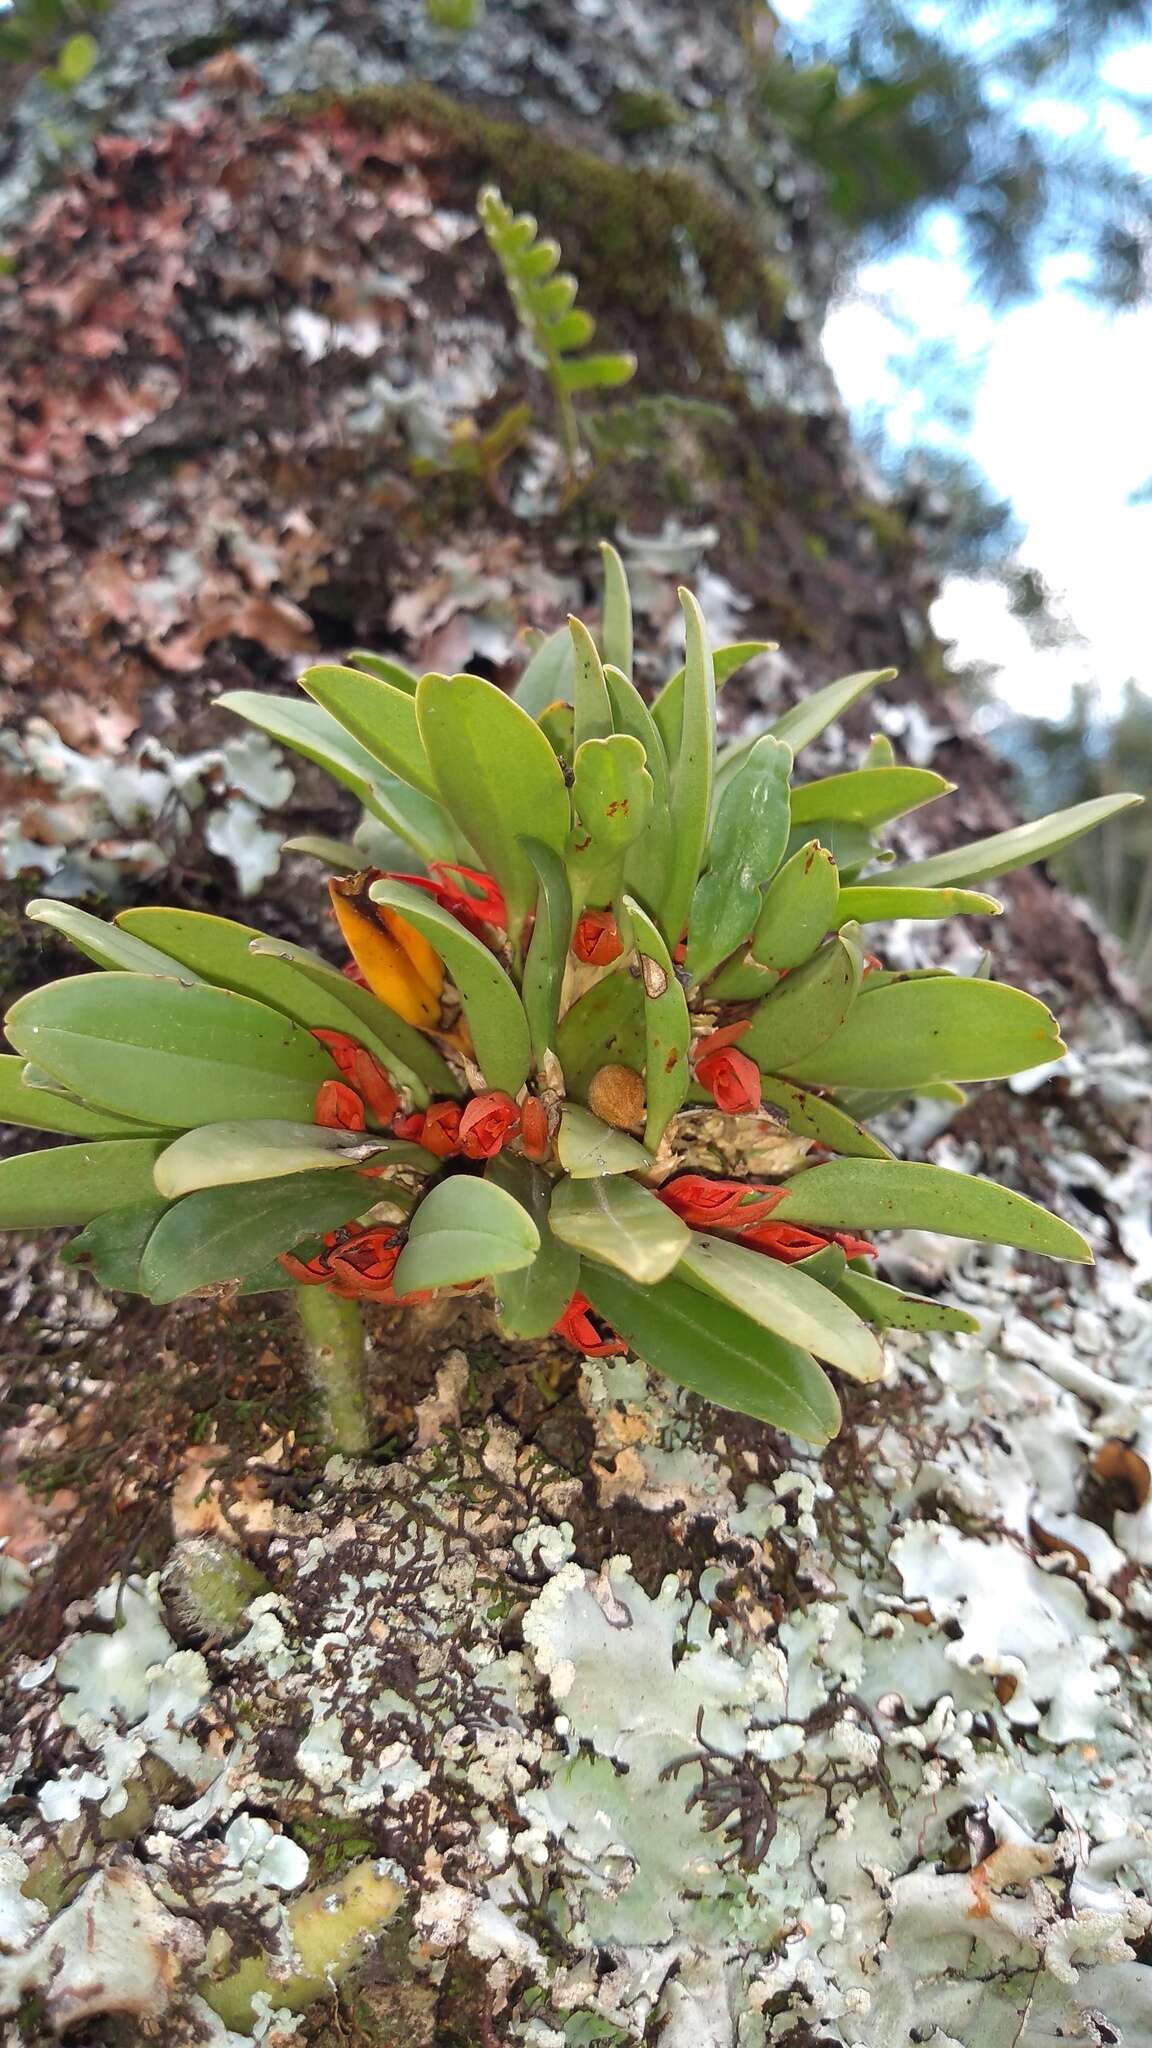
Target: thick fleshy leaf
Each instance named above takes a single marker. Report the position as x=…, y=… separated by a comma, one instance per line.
x=497, y=776
x=288, y=979
x=311, y=731
x=548, y=678
x=593, y=373
x=335, y=853
x=44, y=1109
x=692, y=771
x=161, y=1050
x=612, y=799
x=789, y=1302
x=226, y=1155
x=393, y=672
x=586, y=1147
x=667, y=1026
x=807, y=1008
x=106, y=944
x=867, y=796
x=806, y=720
x=532, y=1298
x=856, y=1194
x=799, y=907
x=590, y=700
x=377, y=714
x=741, y=980
x=983, y=859
x=616, y=627
x=877, y=903
x=492, y=1006
x=111, y=1247
x=618, y=1223
x=646, y=861
x=547, y=954
x=220, y=1235
x=605, y=1028
x=464, y=1230
x=748, y=836
x=810, y=1116
x=705, y=1344
x=411, y=1060
x=668, y=703
x=892, y=1310
x=942, y=1029
x=74, y=1183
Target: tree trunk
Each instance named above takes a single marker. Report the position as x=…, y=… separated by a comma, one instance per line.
x=617, y=1717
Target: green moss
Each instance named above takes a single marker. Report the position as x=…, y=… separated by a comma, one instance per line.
x=643, y=113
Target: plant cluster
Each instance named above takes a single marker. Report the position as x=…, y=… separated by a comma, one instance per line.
x=606, y=1046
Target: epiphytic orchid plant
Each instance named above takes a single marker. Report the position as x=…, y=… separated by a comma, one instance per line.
x=603, y=1048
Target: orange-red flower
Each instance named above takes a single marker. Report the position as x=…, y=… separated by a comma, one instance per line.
x=576, y=1327
x=731, y=1078
x=535, y=1137
x=355, y=1265
x=338, y=1107
x=475, y=906
x=487, y=1123
x=596, y=940
x=363, y=1073
x=440, y=1129
x=719, y=1205
x=395, y=959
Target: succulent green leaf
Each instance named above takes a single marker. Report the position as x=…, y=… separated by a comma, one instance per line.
x=616, y=627
x=806, y=720
x=547, y=954
x=741, y=980
x=411, y=1060
x=287, y=978
x=380, y=716
x=944, y=1028
x=867, y=796
x=492, y=1006
x=221, y=1235
x=111, y=1247
x=784, y=1300
x=667, y=1026
x=877, y=904
x=107, y=944
x=807, y=1008
x=45, y=1109
x=160, y=1050
x=532, y=1298
x=384, y=668
x=810, y=1116
x=549, y=677
x=311, y=731
x=498, y=777
x=594, y=373
x=74, y=1183
x=708, y=1346
x=646, y=861
x=892, y=1310
x=606, y=1027
x=983, y=859
x=799, y=907
x=668, y=703
x=748, y=836
x=618, y=1223
x=892, y=1194
x=590, y=699
x=335, y=853
x=612, y=800
x=586, y=1147
x=464, y=1230
x=692, y=772
x=224, y=1155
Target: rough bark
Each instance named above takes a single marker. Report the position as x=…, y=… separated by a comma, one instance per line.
x=662, y=1729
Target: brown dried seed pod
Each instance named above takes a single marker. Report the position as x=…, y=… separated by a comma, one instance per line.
x=616, y=1096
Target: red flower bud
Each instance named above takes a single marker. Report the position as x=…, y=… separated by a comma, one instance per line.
x=718, y=1204
x=363, y=1073
x=488, y=1121
x=596, y=940
x=338, y=1107
x=576, y=1327
x=535, y=1137
x=409, y=1127
x=732, y=1080
x=440, y=1129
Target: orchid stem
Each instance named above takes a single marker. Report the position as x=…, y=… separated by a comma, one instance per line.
x=334, y=1348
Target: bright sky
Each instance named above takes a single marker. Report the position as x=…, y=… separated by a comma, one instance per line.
x=1061, y=422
